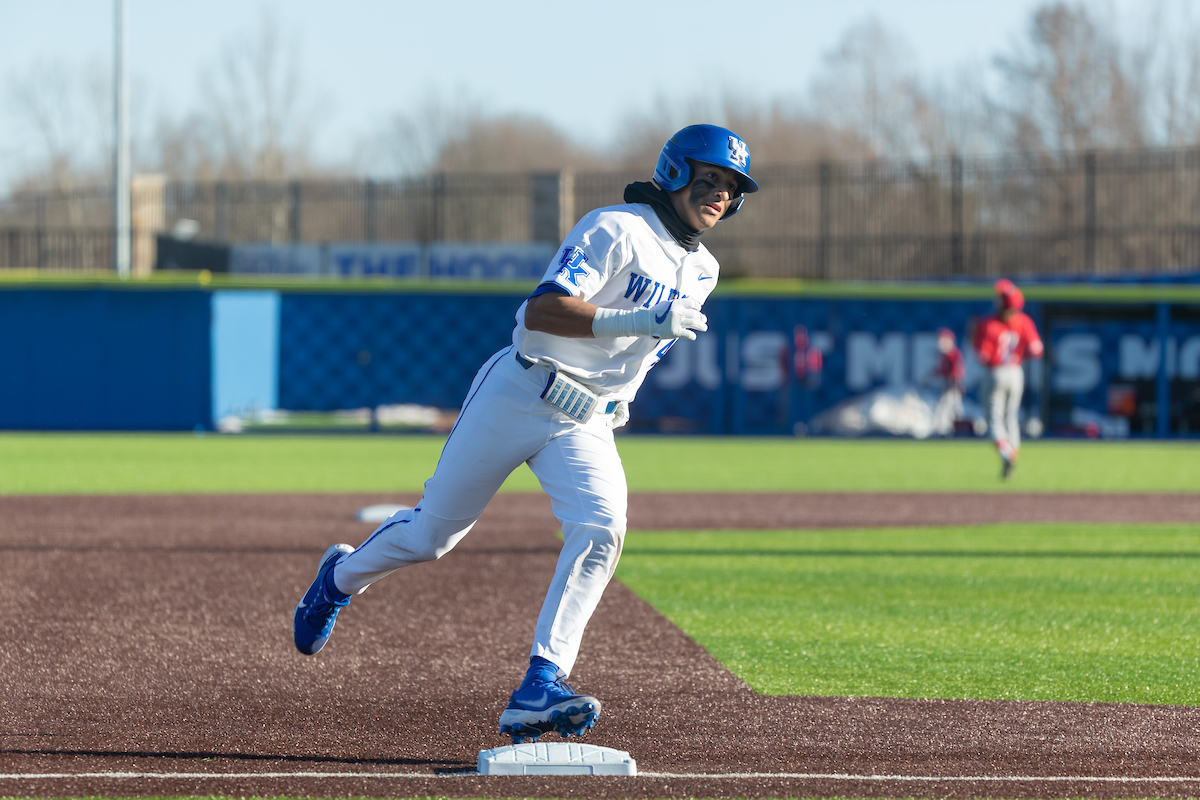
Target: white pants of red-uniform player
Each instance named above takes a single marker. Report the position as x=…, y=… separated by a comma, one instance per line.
x=1006, y=384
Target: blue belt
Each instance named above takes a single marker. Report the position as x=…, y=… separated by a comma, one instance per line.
x=526, y=364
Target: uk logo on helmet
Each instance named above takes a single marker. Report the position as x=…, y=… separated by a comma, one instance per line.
x=738, y=152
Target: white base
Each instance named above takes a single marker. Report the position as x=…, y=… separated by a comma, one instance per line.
x=379, y=513
x=557, y=758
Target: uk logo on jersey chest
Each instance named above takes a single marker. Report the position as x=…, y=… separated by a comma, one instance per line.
x=572, y=264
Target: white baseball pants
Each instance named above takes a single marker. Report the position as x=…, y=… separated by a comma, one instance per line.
x=504, y=423
x=1007, y=384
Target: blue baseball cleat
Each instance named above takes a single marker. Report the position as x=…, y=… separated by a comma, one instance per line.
x=318, y=609
x=542, y=706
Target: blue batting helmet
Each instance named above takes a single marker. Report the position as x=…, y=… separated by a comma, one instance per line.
x=709, y=144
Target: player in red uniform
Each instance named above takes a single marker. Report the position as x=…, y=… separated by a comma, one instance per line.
x=1002, y=341
x=951, y=369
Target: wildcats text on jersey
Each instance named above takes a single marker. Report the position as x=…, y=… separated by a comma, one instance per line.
x=654, y=292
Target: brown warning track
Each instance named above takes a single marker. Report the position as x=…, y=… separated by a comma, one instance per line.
x=151, y=634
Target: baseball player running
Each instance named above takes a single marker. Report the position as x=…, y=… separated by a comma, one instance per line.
x=627, y=282
x=1002, y=341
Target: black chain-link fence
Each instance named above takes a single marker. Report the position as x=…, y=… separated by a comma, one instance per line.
x=1092, y=213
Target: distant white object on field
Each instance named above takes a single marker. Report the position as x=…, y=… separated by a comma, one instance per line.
x=555, y=758
x=408, y=414
x=379, y=513
x=897, y=411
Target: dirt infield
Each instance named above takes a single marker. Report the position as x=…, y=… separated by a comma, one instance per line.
x=148, y=652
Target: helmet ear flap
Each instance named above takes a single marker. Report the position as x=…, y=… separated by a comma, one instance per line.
x=672, y=173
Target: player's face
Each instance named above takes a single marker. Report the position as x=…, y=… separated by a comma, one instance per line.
x=703, y=202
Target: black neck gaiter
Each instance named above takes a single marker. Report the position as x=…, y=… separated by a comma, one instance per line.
x=660, y=201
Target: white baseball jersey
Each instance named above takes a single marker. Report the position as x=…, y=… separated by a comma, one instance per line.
x=617, y=257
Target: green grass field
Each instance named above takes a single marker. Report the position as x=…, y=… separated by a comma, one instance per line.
x=1036, y=612
x=54, y=463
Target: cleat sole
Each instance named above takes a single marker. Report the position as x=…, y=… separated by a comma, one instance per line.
x=573, y=717
x=521, y=733
x=574, y=721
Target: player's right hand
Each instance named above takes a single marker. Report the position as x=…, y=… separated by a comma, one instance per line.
x=677, y=319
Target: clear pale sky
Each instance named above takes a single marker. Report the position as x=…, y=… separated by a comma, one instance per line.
x=582, y=66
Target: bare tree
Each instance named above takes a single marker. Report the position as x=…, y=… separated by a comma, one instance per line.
x=185, y=150
x=868, y=86
x=964, y=121
x=65, y=112
x=1163, y=63
x=512, y=143
x=255, y=120
x=783, y=135
x=410, y=142
x=458, y=135
x=1066, y=88
x=642, y=133
x=780, y=132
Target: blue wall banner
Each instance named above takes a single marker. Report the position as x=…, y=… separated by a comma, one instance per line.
x=105, y=360
x=276, y=259
x=742, y=377
x=766, y=365
x=491, y=261
x=449, y=260
x=1136, y=368
x=391, y=260
x=354, y=350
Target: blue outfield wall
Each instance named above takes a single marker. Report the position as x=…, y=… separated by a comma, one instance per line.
x=105, y=360
x=341, y=351
x=125, y=359
x=355, y=350
x=1102, y=364
x=1137, y=363
x=1125, y=370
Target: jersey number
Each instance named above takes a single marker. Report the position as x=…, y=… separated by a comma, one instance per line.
x=1006, y=344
